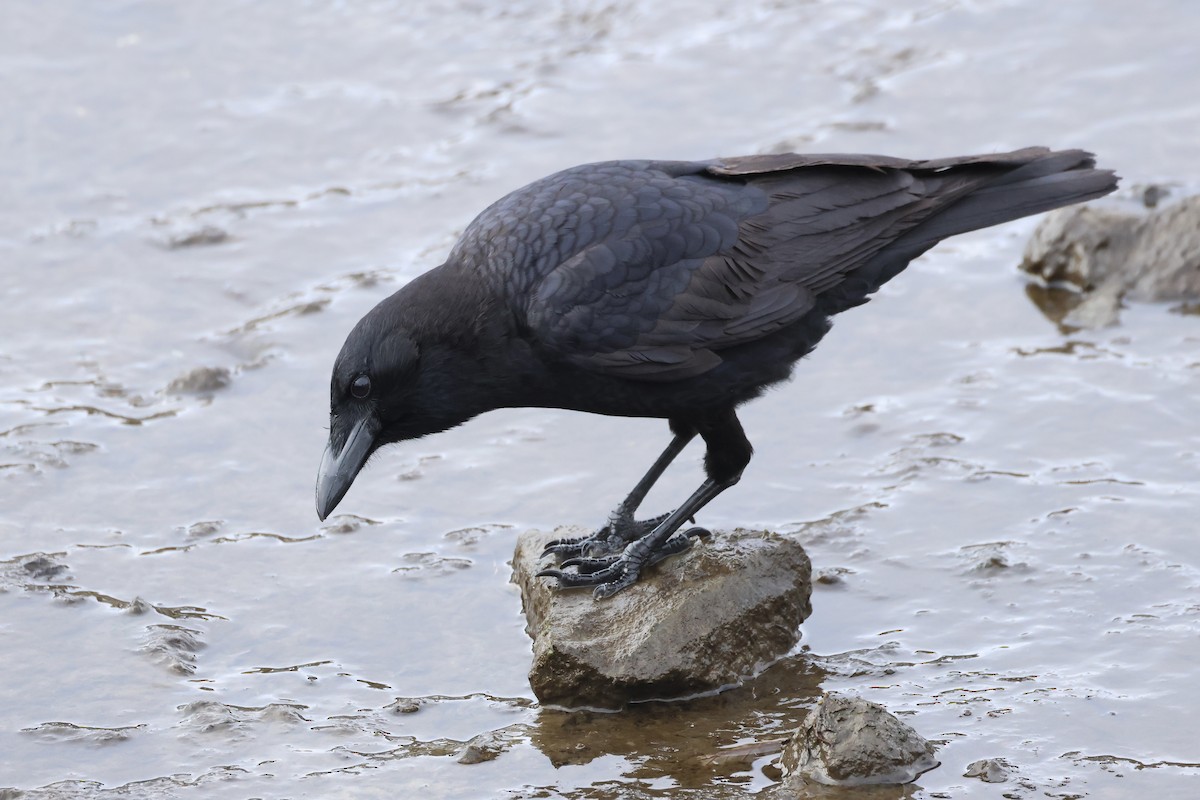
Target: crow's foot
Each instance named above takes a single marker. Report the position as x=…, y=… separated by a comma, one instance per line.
x=609, y=541
x=611, y=574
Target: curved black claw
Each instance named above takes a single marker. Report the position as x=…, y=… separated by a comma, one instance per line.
x=679, y=543
x=572, y=580
x=608, y=541
x=627, y=578
x=612, y=574
x=587, y=566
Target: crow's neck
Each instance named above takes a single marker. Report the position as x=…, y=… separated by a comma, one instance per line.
x=471, y=359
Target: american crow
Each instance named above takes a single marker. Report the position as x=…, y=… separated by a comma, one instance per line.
x=664, y=289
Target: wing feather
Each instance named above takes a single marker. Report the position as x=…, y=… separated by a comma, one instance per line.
x=710, y=264
x=656, y=268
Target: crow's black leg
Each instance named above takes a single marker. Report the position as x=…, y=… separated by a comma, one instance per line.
x=611, y=575
x=728, y=454
x=622, y=528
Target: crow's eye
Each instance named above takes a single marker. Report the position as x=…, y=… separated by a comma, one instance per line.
x=361, y=387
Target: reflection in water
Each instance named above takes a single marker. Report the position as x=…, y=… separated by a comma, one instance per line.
x=678, y=740
x=1055, y=302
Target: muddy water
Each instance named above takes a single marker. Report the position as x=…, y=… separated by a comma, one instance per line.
x=201, y=199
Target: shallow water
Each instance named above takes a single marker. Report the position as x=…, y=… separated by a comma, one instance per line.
x=1005, y=511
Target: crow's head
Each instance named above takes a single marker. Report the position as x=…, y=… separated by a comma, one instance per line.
x=371, y=400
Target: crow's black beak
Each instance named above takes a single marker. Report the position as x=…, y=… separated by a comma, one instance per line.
x=345, y=455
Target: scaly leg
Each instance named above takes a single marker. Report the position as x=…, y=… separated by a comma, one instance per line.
x=728, y=453
x=622, y=528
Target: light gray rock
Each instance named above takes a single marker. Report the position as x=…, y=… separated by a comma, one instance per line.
x=848, y=741
x=173, y=646
x=1109, y=255
x=195, y=237
x=696, y=622
x=1081, y=246
x=201, y=380
x=1166, y=260
x=989, y=770
x=33, y=572
x=484, y=747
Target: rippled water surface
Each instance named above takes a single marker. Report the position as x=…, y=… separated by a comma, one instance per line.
x=201, y=199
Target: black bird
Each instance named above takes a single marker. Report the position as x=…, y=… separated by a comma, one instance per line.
x=667, y=289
